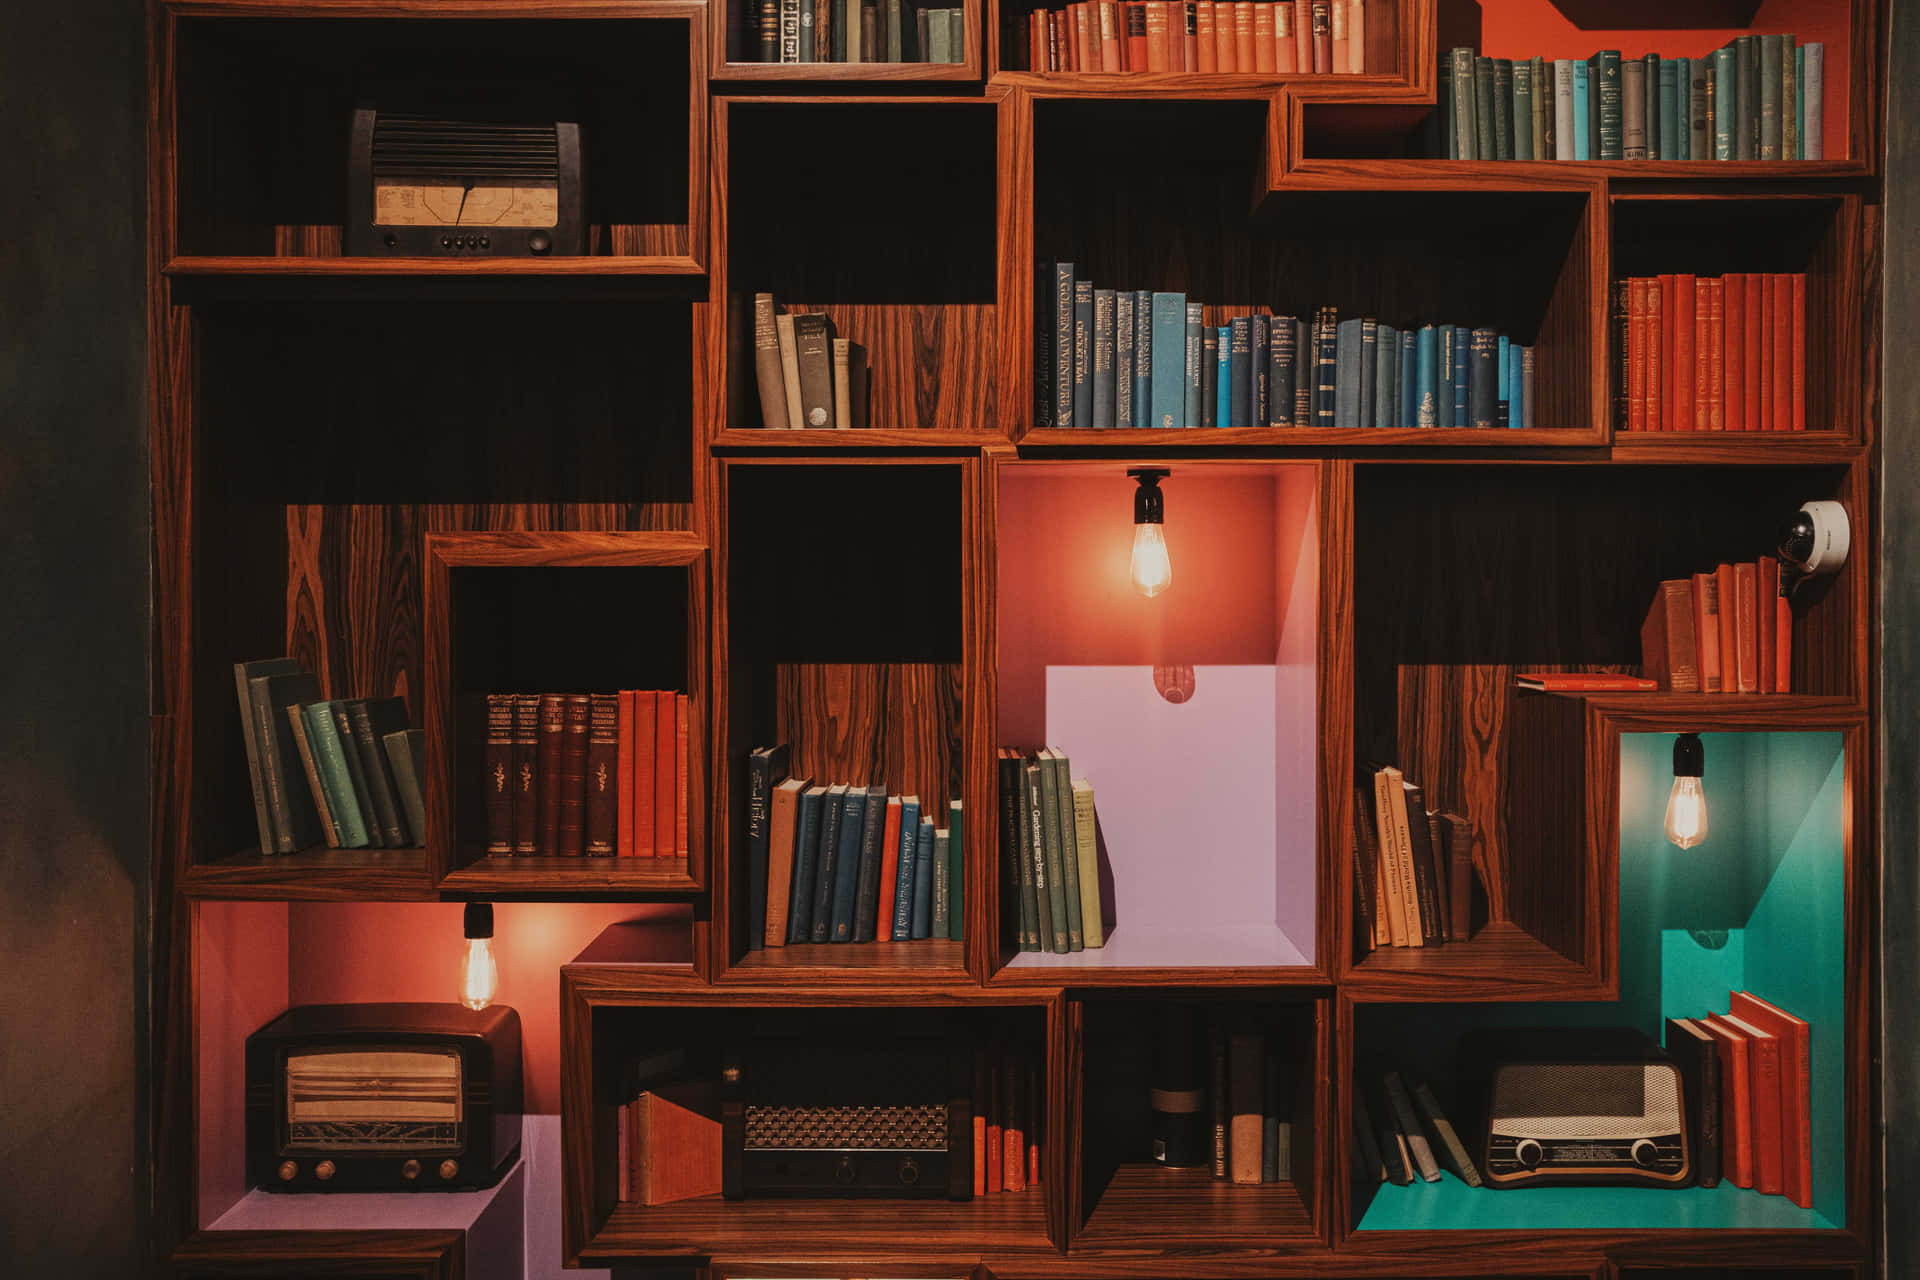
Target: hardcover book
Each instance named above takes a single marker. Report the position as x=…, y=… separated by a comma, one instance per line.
x=775, y=889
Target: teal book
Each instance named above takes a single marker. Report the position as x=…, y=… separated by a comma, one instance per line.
x=956, y=872
x=1211, y=384
x=1056, y=778
x=1259, y=357
x=827, y=864
x=866, y=900
x=1485, y=143
x=1582, y=111
x=1409, y=380
x=1426, y=377
x=1326, y=366
x=406, y=754
x=1346, y=375
x=342, y=709
x=1522, y=109
x=330, y=760
x=942, y=914
x=1721, y=101
x=923, y=880
x=1369, y=340
x=1699, y=123
x=1168, y=356
x=1142, y=371
x=1672, y=130
x=1104, y=353
x=1082, y=354
x=1607, y=105
x=1460, y=341
x=1483, y=379
x=1769, y=52
x=1746, y=97
x=1386, y=377
x=1683, y=110
x=1196, y=372
x=846, y=866
x=1504, y=379
x=904, y=867
x=1239, y=364
x=806, y=862
x=1123, y=336
x=1446, y=364
x=1466, y=137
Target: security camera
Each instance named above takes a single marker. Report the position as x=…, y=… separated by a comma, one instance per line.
x=1817, y=540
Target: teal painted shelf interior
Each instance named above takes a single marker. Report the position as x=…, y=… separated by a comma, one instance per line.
x=1759, y=906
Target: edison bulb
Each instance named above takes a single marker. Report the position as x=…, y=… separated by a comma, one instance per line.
x=1686, y=823
x=1151, y=570
x=479, y=976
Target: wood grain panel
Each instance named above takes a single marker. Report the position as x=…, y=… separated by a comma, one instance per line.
x=873, y=724
x=312, y=1255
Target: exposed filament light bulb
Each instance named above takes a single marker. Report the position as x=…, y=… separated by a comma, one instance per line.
x=1686, y=821
x=1151, y=569
x=479, y=975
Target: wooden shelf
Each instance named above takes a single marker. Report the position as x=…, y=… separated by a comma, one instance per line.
x=498, y=875
x=1145, y=1206
x=1309, y=439
x=911, y=439
x=314, y=875
x=1193, y=84
x=309, y=267
x=1500, y=962
x=925, y=960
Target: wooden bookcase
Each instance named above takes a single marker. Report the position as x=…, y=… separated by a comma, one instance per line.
x=427, y=477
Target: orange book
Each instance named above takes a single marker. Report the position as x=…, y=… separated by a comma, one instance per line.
x=1263, y=38
x=1796, y=1085
x=1700, y=407
x=990, y=1099
x=1302, y=36
x=676, y=1144
x=1716, y=356
x=1662, y=372
x=1668, y=651
x=1680, y=380
x=1752, y=371
x=1637, y=354
x=1729, y=661
x=1766, y=590
x=1136, y=11
x=1734, y=353
x=665, y=752
x=1357, y=37
x=1156, y=36
x=1746, y=628
x=645, y=737
x=1284, y=59
x=1656, y=343
x=1039, y=57
x=1013, y=1134
x=1244, y=55
x=682, y=768
x=1225, y=52
x=1340, y=32
x=1782, y=643
x=1781, y=342
x=623, y=773
x=1736, y=1103
x=1186, y=30
x=1706, y=629
x=783, y=810
x=1203, y=28
x=889, y=869
x=1108, y=15
x=980, y=1069
x=1763, y=1072
x=1583, y=682
x=1767, y=304
x=1798, y=344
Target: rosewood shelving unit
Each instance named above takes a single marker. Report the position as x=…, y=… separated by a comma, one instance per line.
x=395, y=470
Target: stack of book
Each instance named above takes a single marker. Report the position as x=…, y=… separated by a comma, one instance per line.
x=347, y=771
x=1118, y=358
x=1757, y=98
x=1748, y=1078
x=1413, y=871
x=843, y=862
x=854, y=31
x=1049, y=841
x=669, y=1131
x=1008, y=1103
x=1726, y=631
x=1317, y=37
x=807, y=377
x=600, y=774
x=1249, y=1089
x=1410, y=1137
x=1707, y=353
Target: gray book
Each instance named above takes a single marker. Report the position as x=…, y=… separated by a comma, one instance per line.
x=1699, y=126
x=1082, y=354
x=1746, y=97
x=1124, y=334
x=1542, y=106
x=940, y=923
x=1814, y=110
x=1386, y=378
x=1633, y=109
x=243, y=674
x=1789, y=100
x=1451, y=1148
x=1465, y=130
x=956, y=35
x=1104, y=354
x=1563, y=121
x=1063, y=904
x=937, y=36
x=1346, y=374
x=1417, y=1146
x=1770, y=99
x=406, y=755
x=1369, y=367
x=923, y=881
x=1195, y=363
x=1058, y=776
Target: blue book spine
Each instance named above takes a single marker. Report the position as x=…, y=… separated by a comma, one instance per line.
x=1326, y=366
x=1259, y=356
x=1427, y=357
x=1723, y=103
x=1386, y=368
x=1196, y=373
x=904, y=867
x=1168, y=353
x=1483, y=379
x=1582, y=113
x=1142, y=371
x=1123, y=336
x=1280, y=373
x=1504, y=375
x=1449, y=357
x=1083, y=354
x=1368, y=389
x=1526, y=387
x=1239, y=363
x=1346, y=376
x=1104, y=354
x=923, y=880
x=1670, y=101
x=846, y=869
x=1062, y=345
x=824, y=880
x=1409, y=380
x=805, y=859
x=1213, y=382
x=1220, y=389
x=1458, y=417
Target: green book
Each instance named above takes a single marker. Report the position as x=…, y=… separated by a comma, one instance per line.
x=1466, y=131
x=323, y=739
x=1746, y=98
x=1664, y=130
x=1720, y=103
x=956, y=873
x=1484, y=112
x=942, y=885
x=406, y=752
x=1086, y=848
x=1051, y=908
x=1603, y=69
x=1769, y=52
x=1066, y=907
x=1789, y=101
x=1069, y=877
x=1503, y=109
x=1540, y=145
x=1523, y=110
x=1018, y=870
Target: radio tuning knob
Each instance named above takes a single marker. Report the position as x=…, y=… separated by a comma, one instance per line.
x=449, y=1170
x=1528, y=1153
x=410, y=1170
x=1644, y=1153
x=288, y=1170
x=843, y=1172
x=539, y=242
x=909, y=1172
x=324, y=1171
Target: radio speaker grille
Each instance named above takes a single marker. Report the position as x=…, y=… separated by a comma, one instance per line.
x=1586, y=1100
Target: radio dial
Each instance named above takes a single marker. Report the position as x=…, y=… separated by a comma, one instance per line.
x=1644, y=1153
x=449, y=1170
x=843, y=1172
x=410, y=1170
x=1528, y=1153
x=324, y=1171
x=909, y=1172
x=288, y=1170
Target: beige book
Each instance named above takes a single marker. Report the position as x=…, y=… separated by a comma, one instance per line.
x=842, y=385
x=789, y=368
x=1407, y=882
x=1383, y=792
x=1087, y=854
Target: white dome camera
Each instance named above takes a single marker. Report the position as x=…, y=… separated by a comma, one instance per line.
x=1817, y=540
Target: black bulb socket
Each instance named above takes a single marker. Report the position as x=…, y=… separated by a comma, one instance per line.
x=1149, y=506
x=1689, y=757
x=479, y=920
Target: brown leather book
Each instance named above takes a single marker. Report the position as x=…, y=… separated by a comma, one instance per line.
x=645, y=707
x=1263, y=37
x=1667, y=649
x=1746, y=623
x=526, y=773
x=1437, y=845
x=766, y=363
x=553, y=728
x=1321, y=20
x=499, y=773
x=676, y=1144
x=783, y=809
x=573, y=776
x=603, y=776
x=682, y=764
x=1766, y=590
x=1706, y=629
x=1108, y=15
x=666, y=807
x=1459, y=842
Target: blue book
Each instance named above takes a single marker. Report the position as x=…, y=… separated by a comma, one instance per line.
x=1346, y=374
x=1213, y=380
x=1670, y=100
x=806, y=847
x=1582, y=113
x=863, y=909
x=1280, y=373
x=845, y=868
x=1386, y=370
x=904, y=867
x=1196, y=373
x=1259, y=355
x=1482, y=383
x=1239, y=368
x=820, y=909
x=1326, y=362
x=1062, y=344
x=1724, y=106
x=1082, y=354
x=1449, y=357
x=1427, y=360
x=1503, y=378
x=1142, y=371
x=1409, y=380
x=1104, y=354
x=1169, y=356
x=923, y=880
x=1123, y=333
x=1369, y=363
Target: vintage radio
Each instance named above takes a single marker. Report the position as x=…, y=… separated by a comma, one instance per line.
x=383, y=1097
x=1585, y=1108
x=803, y=1118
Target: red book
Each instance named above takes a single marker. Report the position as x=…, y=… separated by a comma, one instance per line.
x=1746, y=628
x=1186, y=23
x=1668, y=651
x=665, y=789
x=1716, y=355
x=1661, y=371
x=1582, y=682
x=1781, y=343
x=1136, y=35
x=623, y=779
x=682, y=768
x=1752, y=370
x=1157, y=36
x=1734, y=351
x=1320, y=14
x=889, y=869
x=1637, y=353
x=1763, y=1068
x=1729, y=648
x=1244, y=54
x=1736, y=1103
x=1284, y=49
x=1112, y=37
x=1680, y=370
x=1765, y=422
x=1782, y=643
x=553, y=729
x=1225, y=57
x=1798, y=339
x=1013, y=1136
x=1263, y=38
x=645, y=735
x=1702, y=407
x=1303, y=36
x=1656, y=343
x=1796, y=1085
x=1766, y=590
x=1706, y=629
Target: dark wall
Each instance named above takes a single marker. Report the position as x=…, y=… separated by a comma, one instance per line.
x=73, y=636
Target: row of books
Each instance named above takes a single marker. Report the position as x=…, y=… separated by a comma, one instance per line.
x=807, y=377
x=1725, y=631
x=1391, y=1144
x=1711, y=353
x=346, y=771
x=1118, y=358
x=602, y=774
x=1748, y=1077
x=1413, y=871
x=854, y=31
x=1317, y=37
x=847, y=863
x=1049, y=840
x=1008, y=1104
x=1249, y=1086
x=1757, y=98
